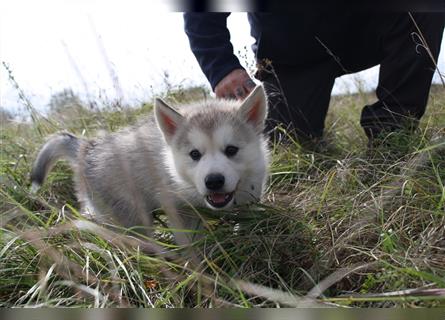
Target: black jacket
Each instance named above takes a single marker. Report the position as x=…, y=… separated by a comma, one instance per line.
x=283, y=38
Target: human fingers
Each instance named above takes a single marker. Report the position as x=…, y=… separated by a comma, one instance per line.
x=232, y=85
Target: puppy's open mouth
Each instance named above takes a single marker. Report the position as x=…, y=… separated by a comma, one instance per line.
x=219, y=200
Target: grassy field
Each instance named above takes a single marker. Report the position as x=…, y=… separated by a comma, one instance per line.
x=336, y=228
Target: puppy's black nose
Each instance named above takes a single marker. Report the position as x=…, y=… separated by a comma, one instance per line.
x=214, y=181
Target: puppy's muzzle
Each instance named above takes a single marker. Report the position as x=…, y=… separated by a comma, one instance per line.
x=216, y=197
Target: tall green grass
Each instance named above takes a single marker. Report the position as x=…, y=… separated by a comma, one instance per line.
x=339, y=227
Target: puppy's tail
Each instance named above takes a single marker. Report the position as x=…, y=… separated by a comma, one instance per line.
x=60, y=146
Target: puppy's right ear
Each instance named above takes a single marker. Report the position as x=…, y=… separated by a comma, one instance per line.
x=254, y=108
x=167, y=118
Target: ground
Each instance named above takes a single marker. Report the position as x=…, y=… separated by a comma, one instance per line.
x=337, y=226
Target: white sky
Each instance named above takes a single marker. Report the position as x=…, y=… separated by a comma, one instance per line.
x=44, y=41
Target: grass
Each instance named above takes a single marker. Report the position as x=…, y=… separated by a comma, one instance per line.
x=335, y=228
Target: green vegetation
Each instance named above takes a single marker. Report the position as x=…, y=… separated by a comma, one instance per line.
x=338, y=227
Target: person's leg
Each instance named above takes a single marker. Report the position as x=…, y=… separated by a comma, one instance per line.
x=406, y=71
x=298, y=98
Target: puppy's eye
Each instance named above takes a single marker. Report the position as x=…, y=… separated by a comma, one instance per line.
x=195, y=154
x=231, y=151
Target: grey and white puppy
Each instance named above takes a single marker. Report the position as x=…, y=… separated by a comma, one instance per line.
x=211, y=153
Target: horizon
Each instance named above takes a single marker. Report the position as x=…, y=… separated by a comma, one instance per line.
x=112, y=54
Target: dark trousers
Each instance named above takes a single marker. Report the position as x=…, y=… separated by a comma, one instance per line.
x=299, y=93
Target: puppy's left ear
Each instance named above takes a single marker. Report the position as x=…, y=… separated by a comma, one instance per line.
x=167, y=118
x=254, y=108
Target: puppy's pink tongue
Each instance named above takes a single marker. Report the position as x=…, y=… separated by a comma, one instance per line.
x=218, y=197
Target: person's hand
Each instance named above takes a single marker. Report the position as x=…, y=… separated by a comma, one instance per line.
x=236, y=85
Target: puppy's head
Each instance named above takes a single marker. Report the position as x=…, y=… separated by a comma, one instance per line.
x=217, y=147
